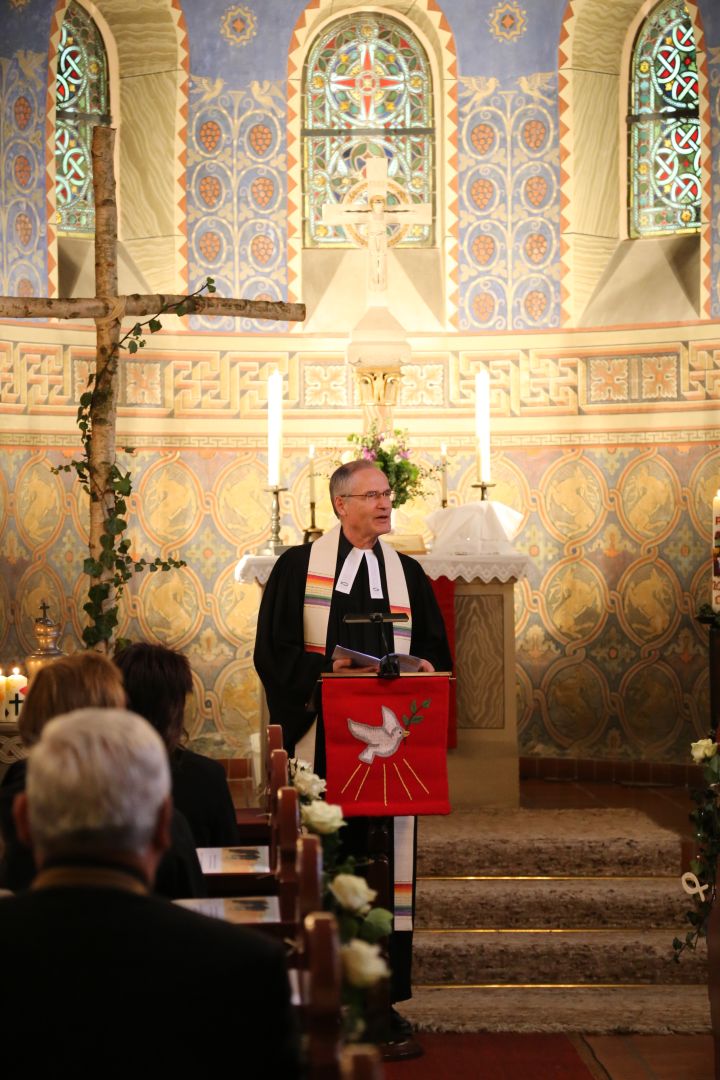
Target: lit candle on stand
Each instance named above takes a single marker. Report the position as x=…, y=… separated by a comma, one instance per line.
x=482, y=425
x=443, y=473
x=275, y=389
x=715, y=587
x=13, y=698
x=311, y=479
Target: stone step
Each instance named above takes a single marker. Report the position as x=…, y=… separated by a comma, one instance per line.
x=593, y=1010
x=546, y=842
x=552, y=956
x=509, y=903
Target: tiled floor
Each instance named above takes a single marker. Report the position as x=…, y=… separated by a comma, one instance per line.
x=649, y=1057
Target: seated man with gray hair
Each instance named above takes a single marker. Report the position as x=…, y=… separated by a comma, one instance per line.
x=101, y=978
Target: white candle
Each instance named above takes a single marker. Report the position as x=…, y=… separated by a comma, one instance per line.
x=443, y=472
x=13, y=698
x=482, y=425
x=715, y=587
x=311, y=481
x=275, y=389
x=3, y=681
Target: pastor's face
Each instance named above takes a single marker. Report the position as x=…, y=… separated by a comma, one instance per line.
x=363, y=520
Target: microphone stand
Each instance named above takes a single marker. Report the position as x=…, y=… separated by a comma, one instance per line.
x=389, y=666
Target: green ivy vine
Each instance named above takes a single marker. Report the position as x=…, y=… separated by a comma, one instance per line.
x=110, y=572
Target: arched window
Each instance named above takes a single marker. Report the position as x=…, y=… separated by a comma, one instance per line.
x=82, y=103
x=664, y=126
x=367, y=92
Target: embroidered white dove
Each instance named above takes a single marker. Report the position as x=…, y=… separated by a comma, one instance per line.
x=381, y=741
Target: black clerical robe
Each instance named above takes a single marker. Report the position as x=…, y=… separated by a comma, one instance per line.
x=290, y=675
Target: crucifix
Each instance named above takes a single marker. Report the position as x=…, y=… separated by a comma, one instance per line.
x=376, y=215
x=108, y=309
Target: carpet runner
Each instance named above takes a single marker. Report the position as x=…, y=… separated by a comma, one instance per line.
x=552, y=921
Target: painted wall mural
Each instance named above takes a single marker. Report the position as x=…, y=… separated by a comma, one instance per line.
x=616, y=517
x=509, y=221
x=237, y=225
x=23, y=230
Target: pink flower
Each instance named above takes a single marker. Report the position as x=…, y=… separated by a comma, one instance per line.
x=369, y=455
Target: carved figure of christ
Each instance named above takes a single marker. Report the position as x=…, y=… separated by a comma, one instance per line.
x=376, y=215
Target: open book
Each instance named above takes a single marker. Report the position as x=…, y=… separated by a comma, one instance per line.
x=361, y=659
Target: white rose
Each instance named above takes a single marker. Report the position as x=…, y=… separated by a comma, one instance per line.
x=309, y=784
x=352, y=893
x=362, y=963
x=321, y=817
x=387, y=445
x=702, y=750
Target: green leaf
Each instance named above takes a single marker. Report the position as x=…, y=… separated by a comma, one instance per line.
x=426, y=704
x=413, y=706
x=405, y=719
x=85, y=399
x=154, y=325
x=180, y=310
x=377, y=924
x=132, y=346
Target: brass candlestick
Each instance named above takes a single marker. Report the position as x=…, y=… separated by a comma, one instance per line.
x=312, y=532
x=274, y=545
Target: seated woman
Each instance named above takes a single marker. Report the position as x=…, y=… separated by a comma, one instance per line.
x=76, y=682
x=157, y=682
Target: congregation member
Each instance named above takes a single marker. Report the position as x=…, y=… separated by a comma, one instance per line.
x=347, y=571
x=74, y=682
x=157, y=682
x=104, y=979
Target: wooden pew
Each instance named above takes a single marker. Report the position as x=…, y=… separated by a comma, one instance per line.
x=321, y=1009
x=248, y=870
x=254, y=821
x=275, y=911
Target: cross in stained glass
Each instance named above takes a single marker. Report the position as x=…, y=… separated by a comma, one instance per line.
x=376, y=215
x=367, y=81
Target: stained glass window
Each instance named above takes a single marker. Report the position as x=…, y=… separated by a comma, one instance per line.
x=664, y=126
x=367, y=93
x=82, y=103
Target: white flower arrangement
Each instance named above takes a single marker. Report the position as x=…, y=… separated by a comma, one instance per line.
x=363, y=963
x=307, y=783
x=321, y=817
x=353, y=893
x=703, y=750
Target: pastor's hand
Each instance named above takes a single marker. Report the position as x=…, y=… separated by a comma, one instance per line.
x=425, y=665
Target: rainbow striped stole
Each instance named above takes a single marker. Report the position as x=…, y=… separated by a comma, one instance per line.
x=319, y=588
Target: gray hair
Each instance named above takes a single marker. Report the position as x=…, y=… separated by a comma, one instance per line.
x=95, y=782
x=341, y=477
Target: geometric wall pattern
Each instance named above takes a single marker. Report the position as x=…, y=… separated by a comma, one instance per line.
x=714, y=90
x=615, y=507
x=23, y=259
x=221, y=383
x=610, y=662
x=237, y=224
x=509, y=216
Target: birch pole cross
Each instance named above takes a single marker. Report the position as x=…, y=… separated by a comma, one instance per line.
x=108, y=309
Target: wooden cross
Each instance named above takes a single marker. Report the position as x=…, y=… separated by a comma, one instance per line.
x=108, y=309
x=376, y=215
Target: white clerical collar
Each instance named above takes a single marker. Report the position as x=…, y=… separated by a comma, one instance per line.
x=348, y=573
